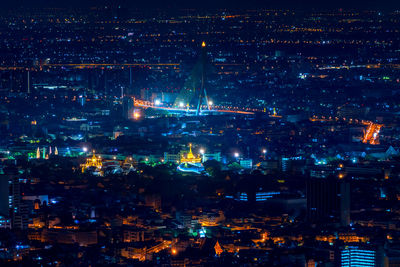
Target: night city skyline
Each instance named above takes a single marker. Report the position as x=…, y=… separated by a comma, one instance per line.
x=162, y=5
x=200, y=133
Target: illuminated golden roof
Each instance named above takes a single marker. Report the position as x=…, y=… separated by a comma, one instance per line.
x=190, y=158
x=92, y=162
x=203, y=44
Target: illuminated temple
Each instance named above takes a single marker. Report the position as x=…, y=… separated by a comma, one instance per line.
x=93, y=162
x=190, y=163
x=190, y=157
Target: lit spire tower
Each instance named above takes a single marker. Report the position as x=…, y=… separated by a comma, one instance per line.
x=203, y=92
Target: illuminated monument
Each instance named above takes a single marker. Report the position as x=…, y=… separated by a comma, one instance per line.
x=190, y=157
x=94, y=163
x=194, y=88
x=190, y=162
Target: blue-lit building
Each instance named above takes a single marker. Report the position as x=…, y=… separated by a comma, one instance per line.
x=357, y=257
x=258, y=197
x=264, y=196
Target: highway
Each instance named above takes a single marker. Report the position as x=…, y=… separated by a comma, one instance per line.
x=371, y=135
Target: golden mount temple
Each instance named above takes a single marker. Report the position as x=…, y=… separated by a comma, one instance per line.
x=190, y=157
x=190, y=163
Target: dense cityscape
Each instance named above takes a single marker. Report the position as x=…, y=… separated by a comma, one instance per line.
x=188, y=137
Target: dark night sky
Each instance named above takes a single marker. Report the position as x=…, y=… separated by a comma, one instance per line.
x=164, y=4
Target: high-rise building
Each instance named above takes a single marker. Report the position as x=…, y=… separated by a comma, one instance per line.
x=28, y=82
x=4, y=190
x=328, y=200
x=353, y=256
x=127, y=107
x=13, y=209
x=19, y=209
x=5, y=221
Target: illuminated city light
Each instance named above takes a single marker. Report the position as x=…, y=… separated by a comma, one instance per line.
x=136, y=115
x=293, y=117
x=174, y=251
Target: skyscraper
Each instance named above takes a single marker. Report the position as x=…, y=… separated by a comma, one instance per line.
x=127, y=107
x=354, y=256
x=12, y=207
x=4, y=190
x=328, y=200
